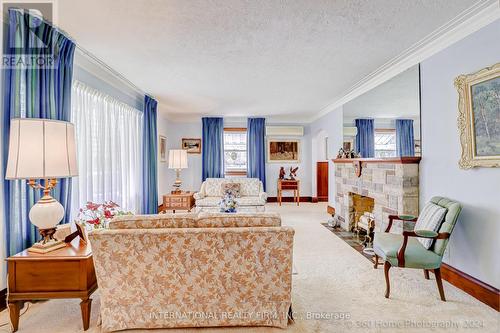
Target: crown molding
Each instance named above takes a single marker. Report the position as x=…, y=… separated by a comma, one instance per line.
x=471, y=20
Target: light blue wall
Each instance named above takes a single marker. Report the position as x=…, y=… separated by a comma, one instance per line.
x=191, y=177
x=475, y=244
x=330, y=123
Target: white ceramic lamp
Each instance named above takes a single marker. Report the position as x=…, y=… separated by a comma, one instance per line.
x=177, y=159
x=42, y=149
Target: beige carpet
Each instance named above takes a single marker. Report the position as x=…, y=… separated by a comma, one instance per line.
x=334, y=283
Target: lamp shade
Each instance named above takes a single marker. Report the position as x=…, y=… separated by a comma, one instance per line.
x=177, y=159
x=41, y=149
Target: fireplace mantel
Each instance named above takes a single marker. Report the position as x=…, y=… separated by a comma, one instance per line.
x=392, y=160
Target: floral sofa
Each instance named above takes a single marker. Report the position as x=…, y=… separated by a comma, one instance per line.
x=194, y=270
x=252, y=196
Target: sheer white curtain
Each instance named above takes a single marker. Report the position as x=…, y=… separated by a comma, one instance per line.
x=109, y=147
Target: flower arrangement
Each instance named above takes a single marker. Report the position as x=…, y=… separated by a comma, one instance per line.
x=228, y=204
x=97, y=216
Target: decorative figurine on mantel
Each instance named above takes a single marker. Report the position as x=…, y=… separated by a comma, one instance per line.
x=348, y=154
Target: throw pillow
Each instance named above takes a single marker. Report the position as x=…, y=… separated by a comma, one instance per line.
x=231, y=188
x=430, y=219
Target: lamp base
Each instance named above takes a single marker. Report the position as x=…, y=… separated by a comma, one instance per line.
x=46, y=247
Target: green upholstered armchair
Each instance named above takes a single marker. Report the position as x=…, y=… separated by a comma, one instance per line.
x=404, y=250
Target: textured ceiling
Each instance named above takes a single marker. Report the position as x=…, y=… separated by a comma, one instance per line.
x=259, y=57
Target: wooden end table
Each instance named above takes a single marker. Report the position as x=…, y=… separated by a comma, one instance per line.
x=180, y=201
x=291, y=185
x=64, y=273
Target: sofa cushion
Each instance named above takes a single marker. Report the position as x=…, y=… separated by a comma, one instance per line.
x=249, y=186
x=213, y=187
x=169, y=220
x=430, y=219
x=231, y=188
x=207, y=220
x=243, y=201
x=386, y=245
x=208, y=202
x=250, y=201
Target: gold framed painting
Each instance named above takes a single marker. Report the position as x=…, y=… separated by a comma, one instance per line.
x=162, y=148
x=283, y=151
x=193, y=146
x=479, y=117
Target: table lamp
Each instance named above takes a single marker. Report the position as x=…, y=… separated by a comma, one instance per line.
x=42, y=149
x=177, y=159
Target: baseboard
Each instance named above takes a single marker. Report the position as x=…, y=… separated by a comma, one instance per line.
x=322, y=199
x=3, y=299
x=487, y=294
x=330, y=210
x=314, y=199
x=289, y=199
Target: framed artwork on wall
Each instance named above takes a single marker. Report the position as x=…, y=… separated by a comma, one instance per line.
x=479, y=117
x=193, y=146
x=283, y=151
x=162, y=148
x=348, y=144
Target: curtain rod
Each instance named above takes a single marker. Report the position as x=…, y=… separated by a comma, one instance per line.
x=114, y=72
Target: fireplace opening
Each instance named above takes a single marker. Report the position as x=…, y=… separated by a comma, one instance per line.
x=362, y=206
x=361, y=217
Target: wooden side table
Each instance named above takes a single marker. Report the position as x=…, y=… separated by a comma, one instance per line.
x=289, y=185
x=64, y=273
x=181, y=201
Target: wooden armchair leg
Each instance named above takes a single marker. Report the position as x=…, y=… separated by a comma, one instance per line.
x=387, y=266
x=376, y=262
x=437, y=273
x=426, y=274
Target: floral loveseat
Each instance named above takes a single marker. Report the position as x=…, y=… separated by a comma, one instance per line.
x=194, y=270
x=252, y=196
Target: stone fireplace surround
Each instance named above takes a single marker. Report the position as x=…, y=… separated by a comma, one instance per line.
x=392, y=183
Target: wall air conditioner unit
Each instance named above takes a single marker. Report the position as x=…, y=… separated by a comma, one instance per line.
x=350, y=131
x=284, y=130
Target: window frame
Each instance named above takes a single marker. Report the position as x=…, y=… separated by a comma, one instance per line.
x=386, y=131
x=229, y=172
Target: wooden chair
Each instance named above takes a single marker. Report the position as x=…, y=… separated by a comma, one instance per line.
x=406, y=251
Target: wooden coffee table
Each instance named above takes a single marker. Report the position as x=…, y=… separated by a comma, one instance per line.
x=64, y=273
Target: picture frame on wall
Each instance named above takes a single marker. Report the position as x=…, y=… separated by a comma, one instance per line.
x=162, y=148
x=283, y=151
x=193, y=146
x=479, y=118
x=348, y=144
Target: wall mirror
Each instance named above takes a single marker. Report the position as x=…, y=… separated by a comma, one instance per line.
x=385, y=121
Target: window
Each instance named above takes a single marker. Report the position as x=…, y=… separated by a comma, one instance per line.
x=109, y=149
x=385, y=143
x=235, y=151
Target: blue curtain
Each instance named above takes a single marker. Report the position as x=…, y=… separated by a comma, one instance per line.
x=40, y=90
x=405, y=142
x=212, y=148
x=256, y=147
x=365, y=139
x=150, y=152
